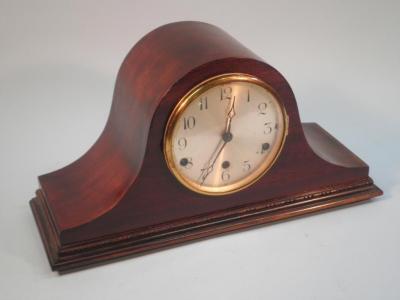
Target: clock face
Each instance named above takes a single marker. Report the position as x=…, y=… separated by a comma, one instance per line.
x=224, y=134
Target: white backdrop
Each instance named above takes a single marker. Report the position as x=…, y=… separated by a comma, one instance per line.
x=58, y=62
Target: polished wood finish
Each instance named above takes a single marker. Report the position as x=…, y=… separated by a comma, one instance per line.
x=120, y=198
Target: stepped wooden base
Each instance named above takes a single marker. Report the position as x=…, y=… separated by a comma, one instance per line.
x=112, y=247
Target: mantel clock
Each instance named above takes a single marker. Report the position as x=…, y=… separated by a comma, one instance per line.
x=203, y=138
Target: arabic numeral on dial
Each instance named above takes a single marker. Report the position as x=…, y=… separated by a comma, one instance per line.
x=182, y=143
x=267, y=127
x=203, y=102
x=225, y=176
x=246, y=166
x=186, y=162
x=248, y=95
x=226, y=93
x=190, y=163
x=189, y=122
x=262, y=108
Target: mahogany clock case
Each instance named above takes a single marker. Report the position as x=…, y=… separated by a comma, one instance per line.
x=120, y=198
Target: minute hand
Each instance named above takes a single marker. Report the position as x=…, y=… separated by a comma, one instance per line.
x=209, y=167
x=226, y=137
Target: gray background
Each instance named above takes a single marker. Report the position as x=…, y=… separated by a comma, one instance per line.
x=58, y=62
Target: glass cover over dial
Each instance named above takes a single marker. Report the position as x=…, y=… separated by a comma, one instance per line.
x=224, y=134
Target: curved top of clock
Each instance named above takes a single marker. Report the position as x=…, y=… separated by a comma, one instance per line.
x=156, y=73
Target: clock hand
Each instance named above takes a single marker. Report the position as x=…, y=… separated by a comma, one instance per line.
x=210, y=166
x=231, y=113
x=226, y=137
x=207, y=165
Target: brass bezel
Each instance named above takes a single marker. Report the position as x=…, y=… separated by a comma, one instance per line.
x=191, y=96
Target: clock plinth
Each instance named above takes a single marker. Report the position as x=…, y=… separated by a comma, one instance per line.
x=120, y=198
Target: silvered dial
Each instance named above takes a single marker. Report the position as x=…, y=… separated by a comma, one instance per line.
x=224, y=134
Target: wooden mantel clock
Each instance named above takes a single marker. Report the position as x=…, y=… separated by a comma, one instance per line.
x=203, y=138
